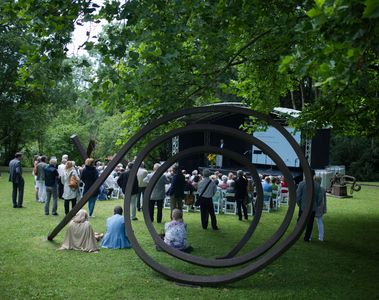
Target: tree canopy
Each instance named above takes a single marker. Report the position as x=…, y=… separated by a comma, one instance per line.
x=320, y=57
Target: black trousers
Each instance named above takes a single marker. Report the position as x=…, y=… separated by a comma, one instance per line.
x=309, y=228
x=141, y=190
x=60, y=190
x=67, y=205
x=241, y=202
x=206, y=210
x=159, y=212
x=18, y=187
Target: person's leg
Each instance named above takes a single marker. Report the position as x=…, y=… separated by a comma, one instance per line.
x=308, y=231
x=21, y=192
x=179, y=203
x=211, y=212
x=55, y=199
x=244, y=208
x=48, y=197
x=14, y=194
x=66, y=206
x=159, y=210
x=91, y=205
x=151, y=209
x=172, y=205
x=139, y=199
x=133, y=203
x=36, y=188
x=320, y=226
x=41, y=191
x=60, y=189
x=238, y=201
x=73, y=201
x=299, y=215
x=203, y=213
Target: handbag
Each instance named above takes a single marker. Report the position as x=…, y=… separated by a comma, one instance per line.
x=197, y=203
x=73, y=182
x=189, y=199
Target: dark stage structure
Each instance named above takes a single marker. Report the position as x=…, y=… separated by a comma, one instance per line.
x=316, y=149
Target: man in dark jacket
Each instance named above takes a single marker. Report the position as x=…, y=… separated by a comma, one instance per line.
x=51, y=182
x=15, y=176
x=241, y=194
x=176, y=191
x=122, y=181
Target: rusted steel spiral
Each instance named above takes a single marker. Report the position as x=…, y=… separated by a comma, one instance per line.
x=250, y=262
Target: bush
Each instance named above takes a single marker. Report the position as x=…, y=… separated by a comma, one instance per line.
x=360, y=155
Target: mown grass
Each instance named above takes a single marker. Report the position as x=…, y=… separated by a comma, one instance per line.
x=345, y=266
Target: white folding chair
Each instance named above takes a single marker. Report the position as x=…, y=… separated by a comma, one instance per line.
x=166, y=202
x=115, y=193
x=230, y=207
x=250, y=203
x=283, y=196
x=217, y=201
x=185, y=206
x=275, y=199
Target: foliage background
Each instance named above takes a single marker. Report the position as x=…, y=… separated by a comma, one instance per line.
x=153, y=57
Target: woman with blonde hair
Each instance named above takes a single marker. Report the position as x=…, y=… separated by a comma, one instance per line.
x=70, y=189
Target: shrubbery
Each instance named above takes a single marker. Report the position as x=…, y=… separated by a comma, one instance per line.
x=360, y=155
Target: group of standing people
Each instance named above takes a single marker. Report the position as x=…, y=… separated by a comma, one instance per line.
x=52, y=181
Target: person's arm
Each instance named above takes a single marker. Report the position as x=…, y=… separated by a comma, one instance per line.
x=18, y=169
x=147, y=178
x=299, y=194
x=172, y=186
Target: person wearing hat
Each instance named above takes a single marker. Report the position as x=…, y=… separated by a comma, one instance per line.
x=206, y=190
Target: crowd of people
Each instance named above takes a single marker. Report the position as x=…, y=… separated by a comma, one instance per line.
x=69, y=182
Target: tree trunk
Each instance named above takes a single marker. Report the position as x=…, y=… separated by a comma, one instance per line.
x=293, y=100
x=302, y=95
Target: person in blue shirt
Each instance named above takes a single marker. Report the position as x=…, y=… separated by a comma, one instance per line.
x=115, y=236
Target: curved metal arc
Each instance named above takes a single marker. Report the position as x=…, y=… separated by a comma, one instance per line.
x=243, y=241
x=181, y=255
x=211, y=280
x=206, y=280
x=234, y=132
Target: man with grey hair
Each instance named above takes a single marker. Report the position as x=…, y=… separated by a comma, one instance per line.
x=206, y=190
x=51, y=176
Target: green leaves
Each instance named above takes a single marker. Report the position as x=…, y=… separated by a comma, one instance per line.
x=371, y=9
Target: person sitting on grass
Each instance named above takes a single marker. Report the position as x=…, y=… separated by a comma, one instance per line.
x=115, y=236
x=176, y=232
x=79, y=234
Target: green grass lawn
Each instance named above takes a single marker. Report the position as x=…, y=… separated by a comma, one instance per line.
x=345, y=266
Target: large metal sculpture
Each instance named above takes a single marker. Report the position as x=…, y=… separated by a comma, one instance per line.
x=253, y=260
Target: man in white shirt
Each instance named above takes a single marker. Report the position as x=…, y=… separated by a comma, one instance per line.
x=61, y=168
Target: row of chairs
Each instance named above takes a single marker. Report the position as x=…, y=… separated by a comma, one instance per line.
x=116, y=192
x=273, y=200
